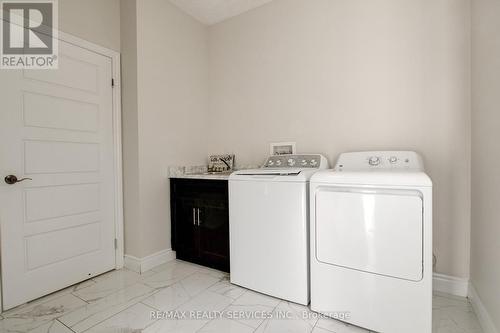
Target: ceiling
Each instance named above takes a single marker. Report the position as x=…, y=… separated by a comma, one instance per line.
x=214, y=11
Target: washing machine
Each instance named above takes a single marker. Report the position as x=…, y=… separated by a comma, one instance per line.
x=371, y=242
x=269, y=224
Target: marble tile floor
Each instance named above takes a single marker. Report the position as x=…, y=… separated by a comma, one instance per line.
x=122, y=302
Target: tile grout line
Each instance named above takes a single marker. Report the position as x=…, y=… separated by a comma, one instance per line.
x=199, y=293
x=233, y=300
x=237, y=298
x=298, y=314
x=272, y=311
x=169, y=286
x=100, y=322
x=199, y=270
x=79, y=299
x=60, y=322
x=55, y=318
x=116, y=305
x=128, y=307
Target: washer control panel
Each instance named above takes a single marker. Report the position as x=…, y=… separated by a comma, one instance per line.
x=379, y=160
x=296, y=161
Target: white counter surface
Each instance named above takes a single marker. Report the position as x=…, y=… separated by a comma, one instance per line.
x=209, y=176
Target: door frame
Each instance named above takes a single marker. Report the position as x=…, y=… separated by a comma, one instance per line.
x=117, y=139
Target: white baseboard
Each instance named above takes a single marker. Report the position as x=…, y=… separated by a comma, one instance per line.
x=141, y=265
x=482, y=314
x=450, y=285
x=441, y=282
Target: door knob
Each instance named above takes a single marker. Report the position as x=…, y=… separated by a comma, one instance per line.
x=11, y=179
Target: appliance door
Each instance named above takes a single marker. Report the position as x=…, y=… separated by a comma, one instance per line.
x=268, y=227
x=375, y=231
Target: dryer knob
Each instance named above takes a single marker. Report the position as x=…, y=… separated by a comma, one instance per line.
x=374, y=161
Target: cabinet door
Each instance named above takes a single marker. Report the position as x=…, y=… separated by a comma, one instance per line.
x=186, y=230
x=214, y=233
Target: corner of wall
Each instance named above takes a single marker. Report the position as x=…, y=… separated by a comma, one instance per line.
x=131, y=195
x=482, y=313
x=142, y=265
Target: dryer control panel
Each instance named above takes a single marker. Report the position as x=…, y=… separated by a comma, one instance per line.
x=296, y=161
x=370, y=160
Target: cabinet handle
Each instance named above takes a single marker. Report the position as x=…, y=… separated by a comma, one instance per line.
x=194, y=216
x=198, y=211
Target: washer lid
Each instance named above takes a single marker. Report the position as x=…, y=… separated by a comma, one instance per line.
x=270, y=172
x=277, y=174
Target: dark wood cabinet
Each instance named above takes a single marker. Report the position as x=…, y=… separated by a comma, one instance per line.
x=200, y=221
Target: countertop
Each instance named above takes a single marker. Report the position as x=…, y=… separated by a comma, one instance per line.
x=205, y=175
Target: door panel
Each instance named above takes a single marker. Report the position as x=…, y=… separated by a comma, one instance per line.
x=44, y=156
x=56, y=112
x=374, y=231
x=56, y=127
x=72, y=65
x=187, y=236
x=214, y=233
x=55, y=201
x=76, y=241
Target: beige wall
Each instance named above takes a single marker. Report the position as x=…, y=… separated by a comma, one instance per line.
x=485, y=256
x=172, y=79
x=130, y=129
x=331, y=75
x=97, y=21
x=347, y=75
x=165, y=121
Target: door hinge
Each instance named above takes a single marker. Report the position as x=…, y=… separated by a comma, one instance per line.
x=116, y=243
x=112, y=82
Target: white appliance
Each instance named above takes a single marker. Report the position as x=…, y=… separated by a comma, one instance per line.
x=268, y=225
x=371, y=242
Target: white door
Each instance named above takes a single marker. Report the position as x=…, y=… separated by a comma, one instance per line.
x=56, y=127
x=374, y=231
